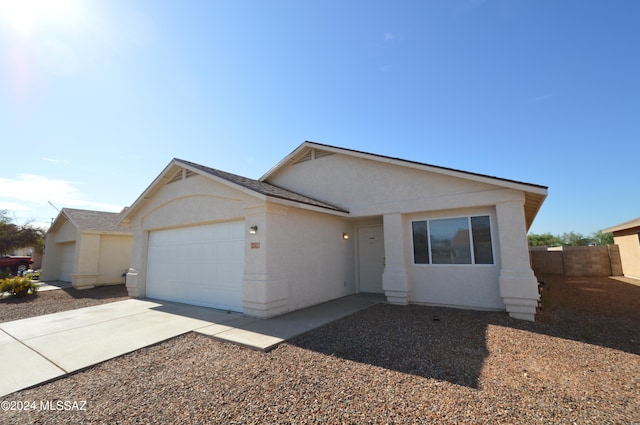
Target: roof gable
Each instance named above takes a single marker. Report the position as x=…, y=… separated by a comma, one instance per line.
x=309, y=151
x=313, y=150
x=90, y=221
x=179, y=169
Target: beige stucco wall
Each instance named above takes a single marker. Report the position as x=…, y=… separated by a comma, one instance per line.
x=99, y=259
x=302, y=257
x=465, y=285
x=298, y=256
x=371, y=188
x=296, y=259
x=52, y=257
x=629, y=243
x=189, y=202
x=115, y=258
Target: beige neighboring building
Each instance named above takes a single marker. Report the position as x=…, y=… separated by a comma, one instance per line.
x=627, y=237
x=327, y=222
x=86, y=248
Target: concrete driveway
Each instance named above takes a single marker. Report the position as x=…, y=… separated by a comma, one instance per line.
x=54, y=345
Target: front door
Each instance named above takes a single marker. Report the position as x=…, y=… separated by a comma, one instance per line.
x=370, y=258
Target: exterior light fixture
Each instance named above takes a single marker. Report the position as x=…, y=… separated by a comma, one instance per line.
x=345, y=236
x=253, y=229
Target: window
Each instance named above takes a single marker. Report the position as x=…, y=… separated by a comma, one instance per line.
x=460, y=240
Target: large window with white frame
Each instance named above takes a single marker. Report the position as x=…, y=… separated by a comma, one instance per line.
x=458, y=240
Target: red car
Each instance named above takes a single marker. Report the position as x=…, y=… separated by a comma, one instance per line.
x=15, y=263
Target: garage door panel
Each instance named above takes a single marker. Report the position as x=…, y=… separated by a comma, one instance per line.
x=67, y=261
x=201, y=265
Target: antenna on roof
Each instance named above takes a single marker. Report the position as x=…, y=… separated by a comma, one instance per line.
x=51, y=203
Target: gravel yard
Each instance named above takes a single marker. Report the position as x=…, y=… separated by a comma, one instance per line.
x=46, y=302
x=579, y=363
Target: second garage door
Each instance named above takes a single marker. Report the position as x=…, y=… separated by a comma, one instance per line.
x=68, y=252
x=200, y=265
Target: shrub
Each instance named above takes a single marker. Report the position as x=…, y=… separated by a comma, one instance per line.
x=18, y=286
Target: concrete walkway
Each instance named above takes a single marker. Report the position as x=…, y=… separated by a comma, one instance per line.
x=54, y=345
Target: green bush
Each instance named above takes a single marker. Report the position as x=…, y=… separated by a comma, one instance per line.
x=18, y=286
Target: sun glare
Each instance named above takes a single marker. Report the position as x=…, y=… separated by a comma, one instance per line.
x=24, y=16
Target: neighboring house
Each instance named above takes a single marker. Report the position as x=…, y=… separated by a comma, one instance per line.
x=327, y=222
x=86, y=248
x=627, y=237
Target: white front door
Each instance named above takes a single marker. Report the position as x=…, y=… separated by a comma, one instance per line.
x=200, y=265
x=370, y=258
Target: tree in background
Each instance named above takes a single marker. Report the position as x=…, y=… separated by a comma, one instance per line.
x=600, y=238
x=13, y=236
x=575, y=239
x=545, y=239
x=570, y=239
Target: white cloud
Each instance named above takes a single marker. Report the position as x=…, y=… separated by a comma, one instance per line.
x=390, y=36
x=29, y=195
x=55, y=161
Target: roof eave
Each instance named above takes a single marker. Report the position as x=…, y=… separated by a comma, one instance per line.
x=627, y=225
x=144, y=196
x=512, y=184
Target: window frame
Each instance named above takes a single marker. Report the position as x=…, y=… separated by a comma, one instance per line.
x=471, y=242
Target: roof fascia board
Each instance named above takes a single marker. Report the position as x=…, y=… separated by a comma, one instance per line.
x=105, y=232
x=164, y=176
x=223, y=181
x=265, y=197
x=251, y=192
x=512, y=184
x=145, y=194
x=627, y=225
x=58, y=221
x=309, y=207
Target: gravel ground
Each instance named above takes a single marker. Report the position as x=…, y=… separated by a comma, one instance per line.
x=53, y=301
x=579, y=363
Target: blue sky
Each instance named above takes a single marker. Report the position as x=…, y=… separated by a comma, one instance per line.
x=96, y=97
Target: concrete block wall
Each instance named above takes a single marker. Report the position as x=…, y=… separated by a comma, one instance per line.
x=577, y=260
x=616, y=261
x=544, y=261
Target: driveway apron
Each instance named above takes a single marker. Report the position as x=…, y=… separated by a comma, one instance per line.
x=55, y=345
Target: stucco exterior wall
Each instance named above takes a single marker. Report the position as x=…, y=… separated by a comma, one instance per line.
x=368, y=188
x=296, y=259
x=189, y=202
x=52, y=257
x=467, y=285
x=320, y=263
x=629, y=243
x=99, y=258
x=115, y=257
x=398, y=193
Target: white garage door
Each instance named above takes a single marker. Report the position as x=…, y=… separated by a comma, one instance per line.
x=201, y=265
x=67, y=256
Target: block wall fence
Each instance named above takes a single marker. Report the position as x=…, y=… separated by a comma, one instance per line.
x=576, y=260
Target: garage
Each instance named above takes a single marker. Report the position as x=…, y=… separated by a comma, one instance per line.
x=68, y=251
x=201, y=265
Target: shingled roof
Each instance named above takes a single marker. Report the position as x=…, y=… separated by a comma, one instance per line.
x=261, y=187
x=98, y=221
